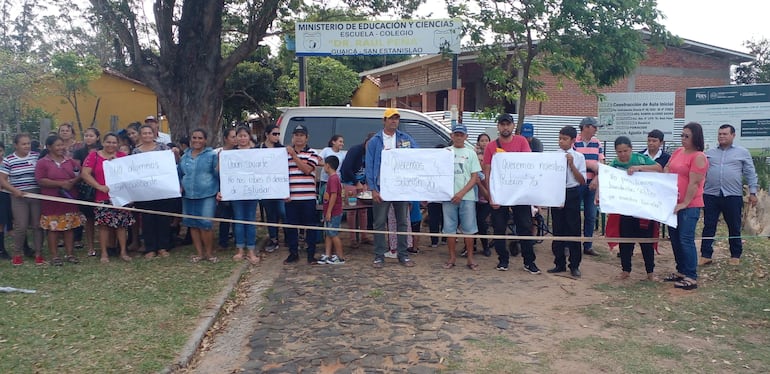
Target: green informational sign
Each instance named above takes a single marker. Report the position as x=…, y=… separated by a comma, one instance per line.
x=747, y=108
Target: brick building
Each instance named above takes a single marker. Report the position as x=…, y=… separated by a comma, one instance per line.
x=422, y=83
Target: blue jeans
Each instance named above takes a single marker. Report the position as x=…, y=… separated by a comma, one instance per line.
x=730, y=207
x=380, y=211
x=589, y=213
x=274, y=210
x=245, y=235
x=683, y=242
x=301, y=212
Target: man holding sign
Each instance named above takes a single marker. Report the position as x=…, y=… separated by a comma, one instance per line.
x=522, y=214
x=388, y=138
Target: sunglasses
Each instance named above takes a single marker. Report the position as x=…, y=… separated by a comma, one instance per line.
x=275, y=133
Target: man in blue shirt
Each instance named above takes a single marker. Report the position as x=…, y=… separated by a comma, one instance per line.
x=388, y=138
x=729, y=164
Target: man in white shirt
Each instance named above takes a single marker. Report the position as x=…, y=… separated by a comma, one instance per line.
x=160, y=137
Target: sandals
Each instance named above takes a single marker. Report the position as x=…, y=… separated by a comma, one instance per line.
x=71, y=259
x=57, y=261
x=238, y=256
x=686, y=284
x=149, y=255
x=126, y=258
x=254, y=260
x=163, y=253
x=673, y=277
x=92, y=253
x=105, y=260
x=196, y=259
x=472, y=266
x=449, y=265
x=213, y=259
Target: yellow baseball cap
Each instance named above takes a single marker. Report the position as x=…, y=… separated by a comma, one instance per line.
x=390, y=112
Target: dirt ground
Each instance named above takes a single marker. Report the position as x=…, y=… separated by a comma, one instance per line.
x=548, y=305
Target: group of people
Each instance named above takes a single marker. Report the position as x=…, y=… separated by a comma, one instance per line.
x=69, y=169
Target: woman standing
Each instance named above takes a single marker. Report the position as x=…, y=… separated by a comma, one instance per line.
x=354, y=182
x=690, y=164
x=17, y=176
x=225, y=208
x=632, y=227
x=109, y=220
x=483, y=209
x=154, y=227
x=334, y=148
x=67, y=135
x=91, y=143
x=275, y=209
x=57, y=176
x=245, y=235
x=200, y=184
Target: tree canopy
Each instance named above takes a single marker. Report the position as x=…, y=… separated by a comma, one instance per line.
x=757, y=71
x=593, y=42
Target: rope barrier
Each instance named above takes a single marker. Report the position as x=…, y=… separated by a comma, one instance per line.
x=320, y=228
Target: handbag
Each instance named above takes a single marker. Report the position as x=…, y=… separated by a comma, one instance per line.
x=86, y=192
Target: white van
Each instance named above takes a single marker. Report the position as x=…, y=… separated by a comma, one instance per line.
x=354, y=123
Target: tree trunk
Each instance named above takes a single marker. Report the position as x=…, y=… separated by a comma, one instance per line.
x=194, y=104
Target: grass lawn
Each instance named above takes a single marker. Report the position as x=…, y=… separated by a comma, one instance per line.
x=93, y=318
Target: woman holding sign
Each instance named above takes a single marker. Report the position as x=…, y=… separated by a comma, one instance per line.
x=245, y=235
x=200, y=184
x=632, y=227
x=154, y=227
x=109, y=220
x=690, y=165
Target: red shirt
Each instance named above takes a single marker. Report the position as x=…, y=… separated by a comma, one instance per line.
x=48, y=168
x=682, y=164
x=333, y=187
x=517, y=144
x=95, y=161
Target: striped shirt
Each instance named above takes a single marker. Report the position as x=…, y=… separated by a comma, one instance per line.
x=301, y=185
x=593, y=152
x=21, y=170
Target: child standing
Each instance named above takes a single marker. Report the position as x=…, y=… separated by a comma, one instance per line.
x=332, y=213
x=566, y=219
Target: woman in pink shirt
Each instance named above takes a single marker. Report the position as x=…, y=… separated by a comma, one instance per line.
x=689, y=163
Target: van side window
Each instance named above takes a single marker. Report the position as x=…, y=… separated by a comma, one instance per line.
x=320, y=130
x=355, y=129
x=425, y=135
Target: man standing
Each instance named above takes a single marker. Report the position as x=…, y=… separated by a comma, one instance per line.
x=655, y=148
x=729, y=164
x=389, y=138
x=591, y=148
x=522, y=214
x=160, y=137
x=528, y=131
x=300, y=207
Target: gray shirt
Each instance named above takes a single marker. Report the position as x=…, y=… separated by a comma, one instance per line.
x=727, y=168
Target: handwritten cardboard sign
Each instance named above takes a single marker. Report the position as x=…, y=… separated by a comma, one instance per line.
x=519, y=178
x=252, y=174
x=643, y=195
x=142, y=177
x=417, y=174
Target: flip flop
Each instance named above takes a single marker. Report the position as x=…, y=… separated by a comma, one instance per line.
x=449, y=265
x=254, y=260
x=472, y=266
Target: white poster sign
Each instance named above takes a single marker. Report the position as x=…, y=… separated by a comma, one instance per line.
x=142, y=177
x=249, y=174
x=635, y=114
x=519, y=178
x=398, y=37
x=643, y=194
x=417, y=174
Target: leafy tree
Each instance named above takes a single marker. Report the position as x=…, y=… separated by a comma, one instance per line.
x=187, y=68
x=757, y=71
x=72, y=74
x=18, y=77
x=593, y=42
x=329, y=83
x=251, y=87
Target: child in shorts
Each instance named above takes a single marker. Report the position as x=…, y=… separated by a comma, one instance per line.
x=332, y=213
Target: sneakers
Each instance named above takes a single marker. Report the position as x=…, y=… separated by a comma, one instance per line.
x=557, y=269
x=413, y=250
x=531, y=268
x=335, y=260
x=391, y=254
x=325, y=259
x=502, y=267
x=39, y=260
x=17, y=260
x=464, y=253
x=406, y=261
x=378, y=263
x=291, y=259
x=272, y=246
